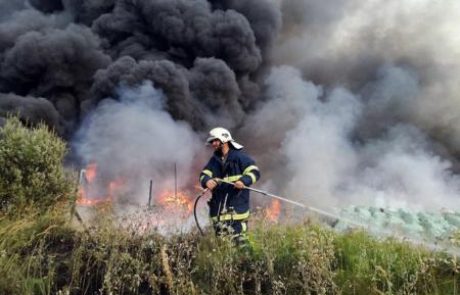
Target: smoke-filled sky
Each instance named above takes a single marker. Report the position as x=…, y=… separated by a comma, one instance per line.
x=339, y=101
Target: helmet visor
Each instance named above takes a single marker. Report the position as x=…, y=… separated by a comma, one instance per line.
x=210, y=139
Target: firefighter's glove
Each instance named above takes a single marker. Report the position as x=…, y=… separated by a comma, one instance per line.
x=239, y=184
x=211, y=184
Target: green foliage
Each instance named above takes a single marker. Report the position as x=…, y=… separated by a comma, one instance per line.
x=42, y=253
x=31, y=170
x=368, y=266
x=33, y=249
x=296, y=258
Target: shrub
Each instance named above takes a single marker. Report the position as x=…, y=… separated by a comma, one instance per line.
x=31, y=171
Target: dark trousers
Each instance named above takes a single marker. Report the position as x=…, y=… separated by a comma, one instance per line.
x=236, y=229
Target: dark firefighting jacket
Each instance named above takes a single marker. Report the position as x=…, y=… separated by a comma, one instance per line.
x=227, y=202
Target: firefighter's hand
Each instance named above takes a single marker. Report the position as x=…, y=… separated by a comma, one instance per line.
x=239, y=184
x=211, y=184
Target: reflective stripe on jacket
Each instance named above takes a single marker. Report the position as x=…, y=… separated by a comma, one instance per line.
x=238, y=166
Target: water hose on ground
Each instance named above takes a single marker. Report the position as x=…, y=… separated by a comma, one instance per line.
x=194, y=210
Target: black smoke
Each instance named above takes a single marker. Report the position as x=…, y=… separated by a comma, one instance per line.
x=42, y=57
x=205, y=56
x=31, y=110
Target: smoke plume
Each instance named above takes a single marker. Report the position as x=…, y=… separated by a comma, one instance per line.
x=133, y=139
x=340, y=102
x=367, y=108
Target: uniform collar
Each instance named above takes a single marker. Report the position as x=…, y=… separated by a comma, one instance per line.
x=230, y=155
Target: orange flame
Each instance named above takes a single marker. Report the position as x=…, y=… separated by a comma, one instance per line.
x=84, y=201
x=180, y=201
x=272, y=213
x=85, y=198
x=89, y=194
x=172, y=208
x=90, y=172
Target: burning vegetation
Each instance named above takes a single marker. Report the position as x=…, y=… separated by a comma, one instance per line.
x=273, y=211
x=95, y=190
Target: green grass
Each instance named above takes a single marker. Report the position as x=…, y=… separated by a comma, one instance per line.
x=44, y=253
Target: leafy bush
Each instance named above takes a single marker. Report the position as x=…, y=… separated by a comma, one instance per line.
x=31, y=171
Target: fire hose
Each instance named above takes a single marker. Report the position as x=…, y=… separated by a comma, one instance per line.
x=194, y=210
x=431, y=246
x=270, y=195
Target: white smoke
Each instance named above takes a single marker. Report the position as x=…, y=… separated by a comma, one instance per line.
x=362, y=108
x=135, y=140
x=346, y=42
x=398, y=170
x=311, y=136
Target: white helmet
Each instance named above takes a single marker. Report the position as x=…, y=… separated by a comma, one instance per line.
x=224, y=136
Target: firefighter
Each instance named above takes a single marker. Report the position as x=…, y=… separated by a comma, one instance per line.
x=229, y=205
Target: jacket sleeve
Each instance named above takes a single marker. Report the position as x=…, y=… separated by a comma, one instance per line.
x=206, y=174
x=251, y=172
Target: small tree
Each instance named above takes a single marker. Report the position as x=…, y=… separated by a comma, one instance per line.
x=31, y=171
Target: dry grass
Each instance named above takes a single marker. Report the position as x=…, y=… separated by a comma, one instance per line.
x=45, y=254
